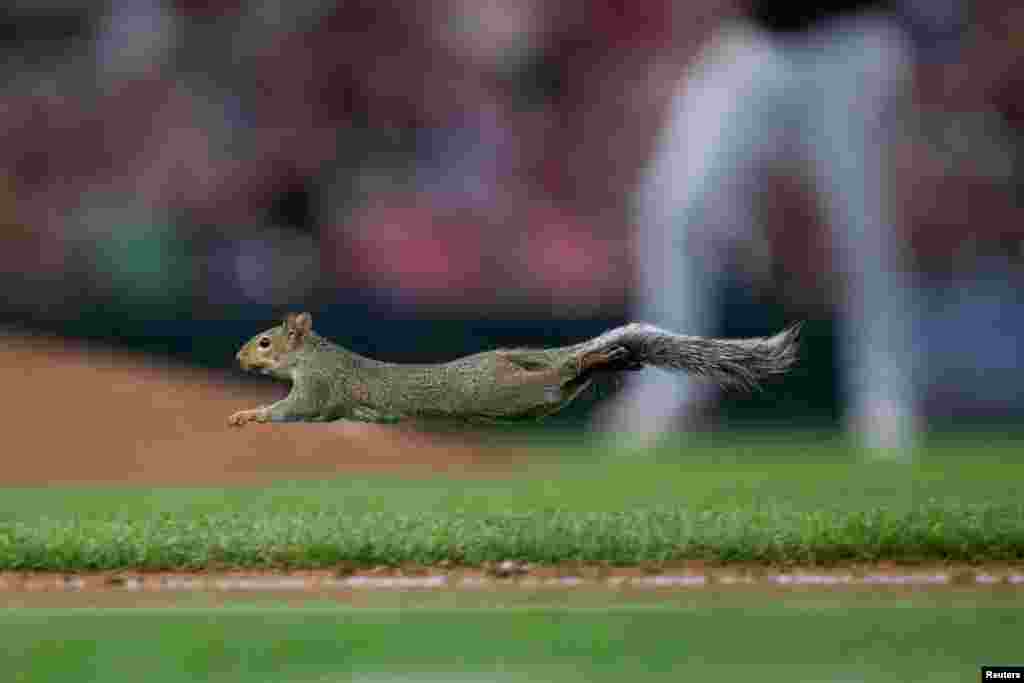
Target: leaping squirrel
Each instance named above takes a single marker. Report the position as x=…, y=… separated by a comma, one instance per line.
x=332, y=383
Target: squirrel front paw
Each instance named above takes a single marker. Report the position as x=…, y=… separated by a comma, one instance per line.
x=243, y=417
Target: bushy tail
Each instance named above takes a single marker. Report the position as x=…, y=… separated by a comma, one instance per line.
x=732, y=363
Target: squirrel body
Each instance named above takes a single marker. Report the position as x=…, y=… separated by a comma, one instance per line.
x=331, y=383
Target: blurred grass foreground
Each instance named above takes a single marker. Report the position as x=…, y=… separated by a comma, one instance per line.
x=770, y=638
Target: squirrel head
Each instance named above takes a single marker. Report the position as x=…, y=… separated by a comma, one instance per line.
x=273, y=352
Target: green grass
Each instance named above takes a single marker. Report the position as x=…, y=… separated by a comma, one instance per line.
x=770, y=535
x=748, y=498
x=897, y=640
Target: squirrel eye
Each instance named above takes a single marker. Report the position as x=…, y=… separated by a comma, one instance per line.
x=264, y=343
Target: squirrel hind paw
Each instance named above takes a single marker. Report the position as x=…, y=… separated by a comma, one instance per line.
x=613, y=358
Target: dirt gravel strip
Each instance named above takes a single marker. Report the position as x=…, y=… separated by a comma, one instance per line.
x=515, y=577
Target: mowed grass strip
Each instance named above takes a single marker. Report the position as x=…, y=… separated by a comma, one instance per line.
x=968, y=533
x=763, y=500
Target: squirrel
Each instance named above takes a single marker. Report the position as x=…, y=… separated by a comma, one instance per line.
x=331, y=383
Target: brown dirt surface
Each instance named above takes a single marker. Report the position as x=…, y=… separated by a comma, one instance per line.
x=81, y=413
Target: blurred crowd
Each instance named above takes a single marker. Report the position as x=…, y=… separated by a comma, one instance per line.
x=445, y=152
x=475, y=156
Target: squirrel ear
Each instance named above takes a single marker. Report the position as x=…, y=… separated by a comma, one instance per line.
x=300, y=323
x=304, y=323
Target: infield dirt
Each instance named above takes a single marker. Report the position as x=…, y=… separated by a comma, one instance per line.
x=75, y=413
